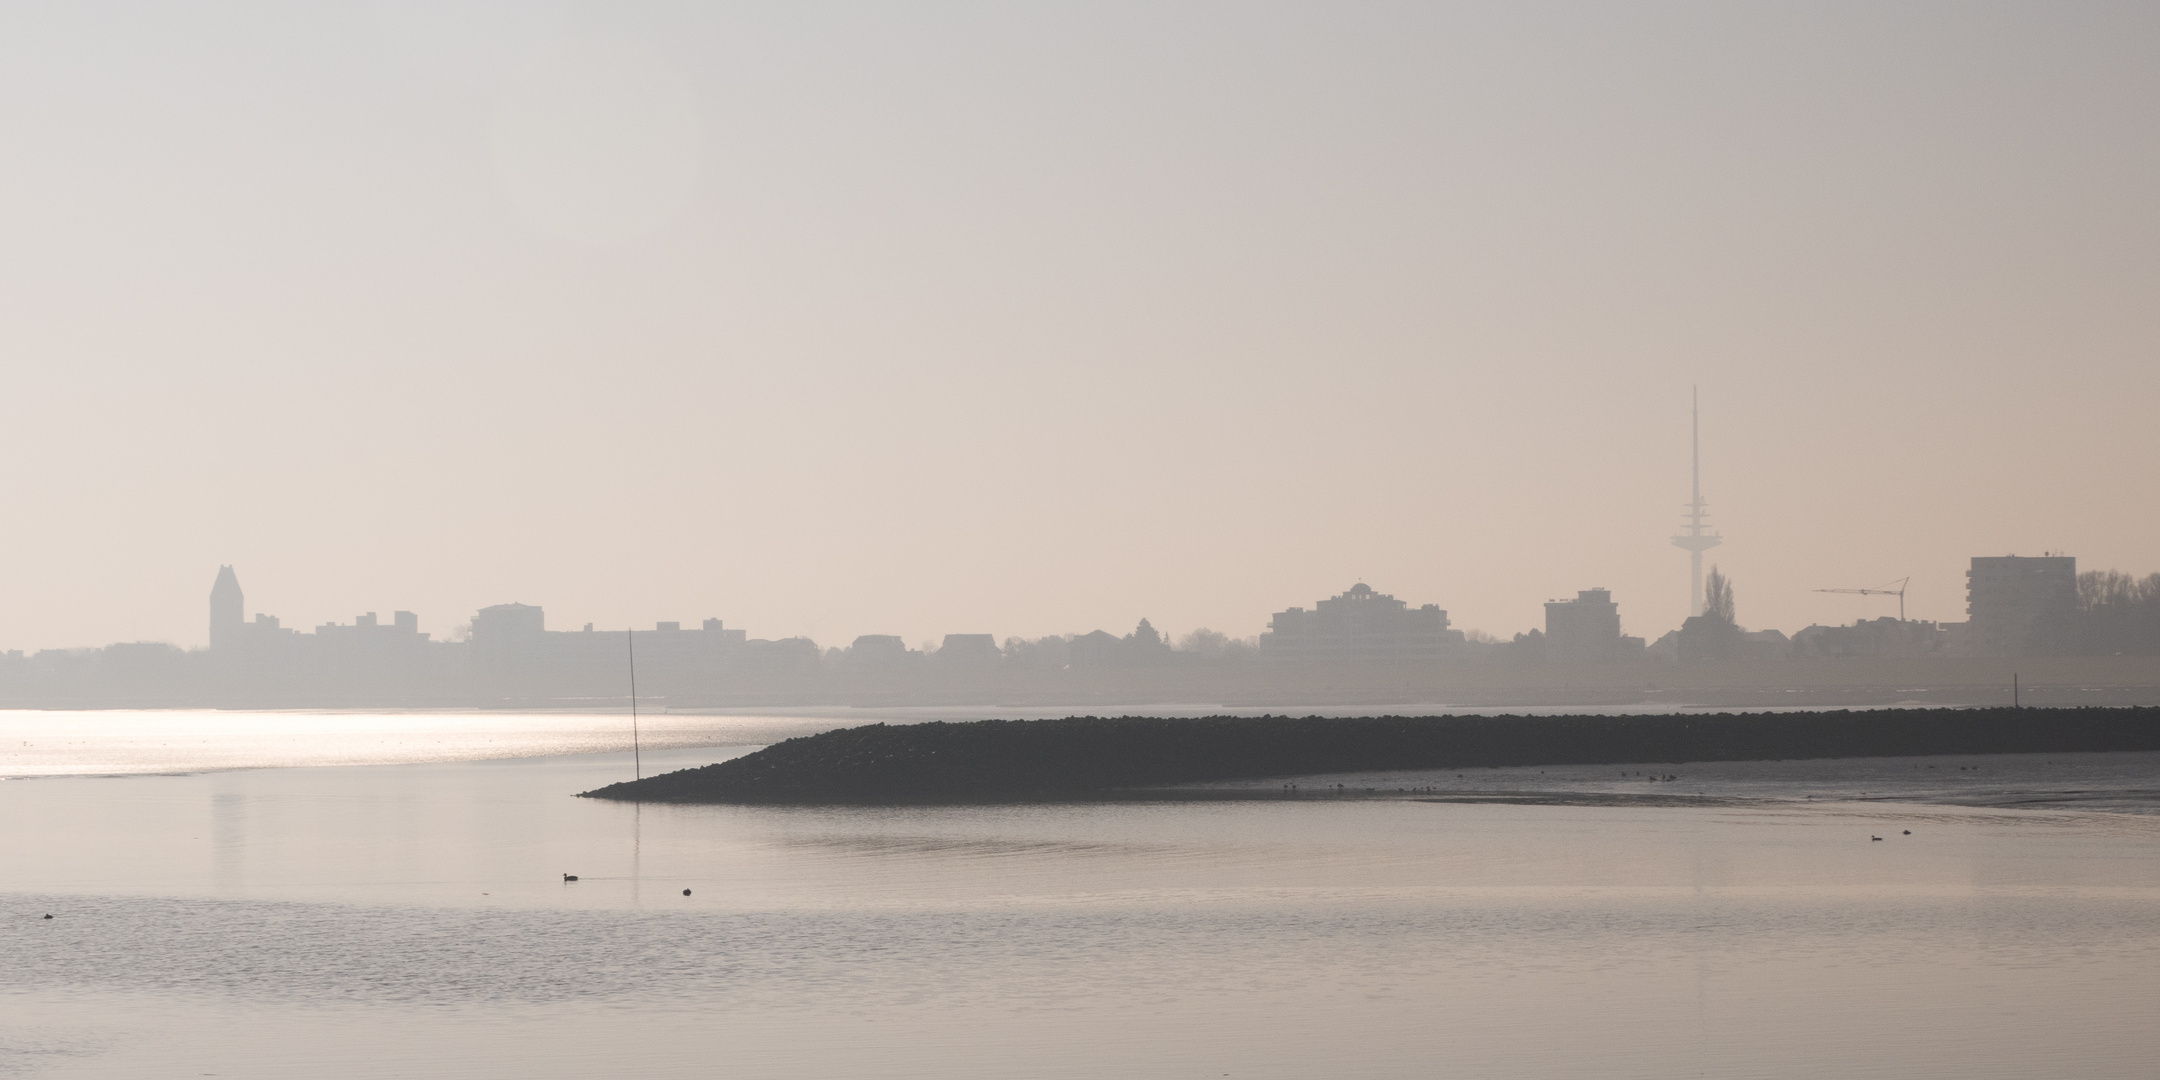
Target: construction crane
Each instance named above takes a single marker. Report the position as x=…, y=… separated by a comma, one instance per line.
x=1881, y=590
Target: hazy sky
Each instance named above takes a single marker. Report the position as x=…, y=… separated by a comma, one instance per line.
x=1033, y=318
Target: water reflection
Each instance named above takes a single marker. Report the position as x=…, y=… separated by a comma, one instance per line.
x=411, y=920
x=228, y=837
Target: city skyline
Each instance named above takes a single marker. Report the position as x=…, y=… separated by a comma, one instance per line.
x=1415, y=300
x=240, y=622
x=1696, y=540
x=1771, y=596
x=2090, y=637
x=446, y=626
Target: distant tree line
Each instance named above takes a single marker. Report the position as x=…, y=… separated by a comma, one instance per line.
x=1144, y=647
x=2117, y=613
x=1718, y=598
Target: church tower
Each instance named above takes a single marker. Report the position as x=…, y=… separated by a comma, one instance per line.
x=227, y=610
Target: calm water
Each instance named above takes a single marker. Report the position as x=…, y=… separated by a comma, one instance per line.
x=411, y=920
x=124, y=741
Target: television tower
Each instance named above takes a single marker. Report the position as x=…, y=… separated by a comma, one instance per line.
x=1696, y=541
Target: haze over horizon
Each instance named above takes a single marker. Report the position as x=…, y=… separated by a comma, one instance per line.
x=836, y=319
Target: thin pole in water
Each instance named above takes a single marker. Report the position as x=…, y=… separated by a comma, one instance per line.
x=2014, y=691
x=637, y=757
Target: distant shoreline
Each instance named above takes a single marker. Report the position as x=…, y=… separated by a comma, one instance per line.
x=1095, y=758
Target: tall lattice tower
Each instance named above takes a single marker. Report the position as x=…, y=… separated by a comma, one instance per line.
x=1696, y=541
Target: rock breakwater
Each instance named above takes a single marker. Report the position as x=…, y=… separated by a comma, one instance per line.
x=1088, y=757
